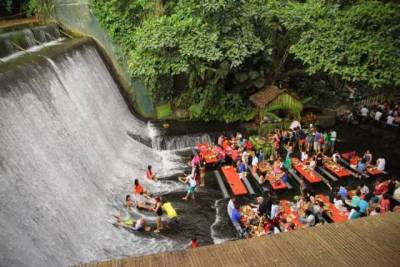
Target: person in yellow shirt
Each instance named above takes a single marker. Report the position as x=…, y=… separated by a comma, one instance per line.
x=172, y=216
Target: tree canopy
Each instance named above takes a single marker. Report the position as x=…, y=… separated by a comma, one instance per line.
x=209, y=56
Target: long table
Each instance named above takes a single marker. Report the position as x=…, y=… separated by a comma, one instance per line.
x=287, y=210
x=309, y=174
x=335, y=215
x=372, y=170
x=234, y=180
x=208, y=153
x=353, y=160
x=276, y=183
x=336, y=168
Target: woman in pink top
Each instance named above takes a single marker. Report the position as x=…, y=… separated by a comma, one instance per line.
x=195, y=161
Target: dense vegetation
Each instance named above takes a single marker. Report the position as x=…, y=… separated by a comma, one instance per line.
x=13, y=9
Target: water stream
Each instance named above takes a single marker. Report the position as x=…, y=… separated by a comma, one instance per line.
x=67, y=161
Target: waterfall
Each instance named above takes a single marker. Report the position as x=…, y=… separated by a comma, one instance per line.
x=161, y=141
x=10, y=42
x=66, y=161
x=180, y=142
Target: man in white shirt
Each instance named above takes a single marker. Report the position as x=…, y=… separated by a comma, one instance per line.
x=336, y=156
x=333, y=140
x=389, y=120
x=380, y=164
x=364, y=189
x=378, y=115
x=364, y=111
x=274, y=209
x=254, y=163
x=304, y=156
x=396, y=194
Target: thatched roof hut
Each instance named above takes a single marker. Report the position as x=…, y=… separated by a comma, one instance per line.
x=272, y=98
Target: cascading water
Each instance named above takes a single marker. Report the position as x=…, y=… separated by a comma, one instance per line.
x=66, y=161
x=162, y=142
x=10, y=42
x=183, y=135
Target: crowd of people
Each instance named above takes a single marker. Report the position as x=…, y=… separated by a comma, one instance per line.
x=366, y=201
x=144, y=201
x=266, y=215
x=385, y=112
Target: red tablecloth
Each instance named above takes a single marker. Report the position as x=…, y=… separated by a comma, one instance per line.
x=234, y=180
x=336, y=215
x=336, y=168
x=309, y=174
x=208, y=153
x=348, y=155
x=354, y=159
x=288, y=211
x=233, y=153
x=374, y=171
x=276, y=184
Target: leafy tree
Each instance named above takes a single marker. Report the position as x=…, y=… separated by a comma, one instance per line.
x=357, y=44
x=209, y=56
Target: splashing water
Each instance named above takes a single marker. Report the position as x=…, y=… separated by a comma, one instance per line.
x=66, y=161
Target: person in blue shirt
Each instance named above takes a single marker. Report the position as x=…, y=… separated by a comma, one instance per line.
x=361, y=166
x=317, y=142
x=342, y=192
x=241, y=169
x=260, y=155
x=235, y=218
x=354, y=213
x=231, y=206
x=363, y=205
x=235, y=215
x=356, y=199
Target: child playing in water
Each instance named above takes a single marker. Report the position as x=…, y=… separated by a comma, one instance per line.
x=150, y=175
x=138, y=188
x=158, y=210
x=193, y=243
x=191, y=181
x=127, y=222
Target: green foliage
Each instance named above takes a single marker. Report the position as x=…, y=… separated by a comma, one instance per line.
x=164, y=111
x=212, y=104
x=209, y=56
x=357, y=44
x=12, y=9
x=197, y=40
x=8, y=4
x=43, y=9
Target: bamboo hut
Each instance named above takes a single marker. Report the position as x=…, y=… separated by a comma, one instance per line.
x=271, y=99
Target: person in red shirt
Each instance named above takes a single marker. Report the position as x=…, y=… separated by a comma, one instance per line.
x=248, y=145
x=385, y=203
x=380, y=187
x=150, y=175
x=226, y=144
x=194, y=243
x=138, y=188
